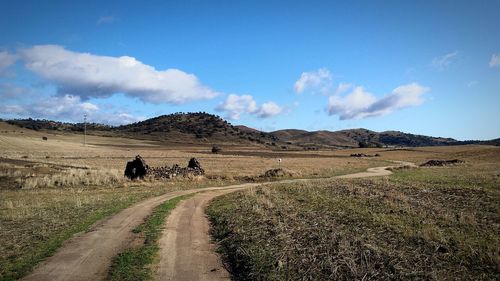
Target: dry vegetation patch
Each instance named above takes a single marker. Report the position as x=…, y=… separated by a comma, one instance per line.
x=432, y=223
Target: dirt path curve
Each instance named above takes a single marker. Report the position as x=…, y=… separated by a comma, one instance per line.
x=88, y=255
x=186, y=250
x=377, y=171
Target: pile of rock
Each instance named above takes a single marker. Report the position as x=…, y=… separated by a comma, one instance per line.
x=137, y=168
x=364, y=155
x=432, y=163
x=279, y=173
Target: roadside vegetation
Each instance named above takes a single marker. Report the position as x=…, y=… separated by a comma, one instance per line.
x=428, y=223
x=33, y=224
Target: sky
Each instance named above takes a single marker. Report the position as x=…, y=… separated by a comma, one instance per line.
x=422, y=67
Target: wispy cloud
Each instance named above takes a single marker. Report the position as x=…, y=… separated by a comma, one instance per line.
x=472, y=83
x=361, y=104
x=342, y=88
x=6, y=60
x=11, y=91
x=87, y=75
x=106, y=20
x=443, y=62
x=319, y=80
x=237, y=105
x=495, y=60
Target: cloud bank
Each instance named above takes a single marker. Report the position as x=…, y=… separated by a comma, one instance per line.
x=361, y=104
x=68, y=108
x=86, y=75
x=234, y=106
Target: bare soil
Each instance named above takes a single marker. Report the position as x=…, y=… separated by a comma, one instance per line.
x=186, y=250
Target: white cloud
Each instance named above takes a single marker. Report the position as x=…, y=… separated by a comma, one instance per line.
x=342, y=88
x=105, y=19
x=235, y=106
x=68, y=108
x=86, y=75
x=6, y=60
x=269, y=109
x=360, y=104
x=444, y=61
x=495, y=60
x=320, y=79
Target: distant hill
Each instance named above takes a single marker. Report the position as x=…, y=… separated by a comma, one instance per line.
x=195, y=127
x=364, y=138
x=173, y=128
x=208, y=128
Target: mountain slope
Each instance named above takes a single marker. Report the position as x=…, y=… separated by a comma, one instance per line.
x=357, y=137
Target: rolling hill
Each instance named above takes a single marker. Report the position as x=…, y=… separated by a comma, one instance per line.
x=359, y=137
x=185, y=128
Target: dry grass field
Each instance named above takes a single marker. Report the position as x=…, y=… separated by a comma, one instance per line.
x=430, y=223
x=51, y=189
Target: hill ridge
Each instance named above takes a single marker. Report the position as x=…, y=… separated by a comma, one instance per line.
x=202, y=127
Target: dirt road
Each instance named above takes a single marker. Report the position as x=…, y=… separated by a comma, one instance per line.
x=186, y=251
x=376, y=172
x=88, y=256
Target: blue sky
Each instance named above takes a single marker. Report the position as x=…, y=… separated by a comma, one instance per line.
x=424, y=67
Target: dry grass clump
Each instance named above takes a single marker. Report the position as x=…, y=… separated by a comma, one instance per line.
x=76, y=178
x=417, y=225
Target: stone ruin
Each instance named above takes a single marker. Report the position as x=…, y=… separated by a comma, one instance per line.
x=137, y=168
x=432, y=163
x=364, y=155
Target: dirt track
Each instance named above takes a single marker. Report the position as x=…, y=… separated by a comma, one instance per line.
x=87, y=256
x=186, y=251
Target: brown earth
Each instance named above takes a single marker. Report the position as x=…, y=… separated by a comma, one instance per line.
x=186, y=250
